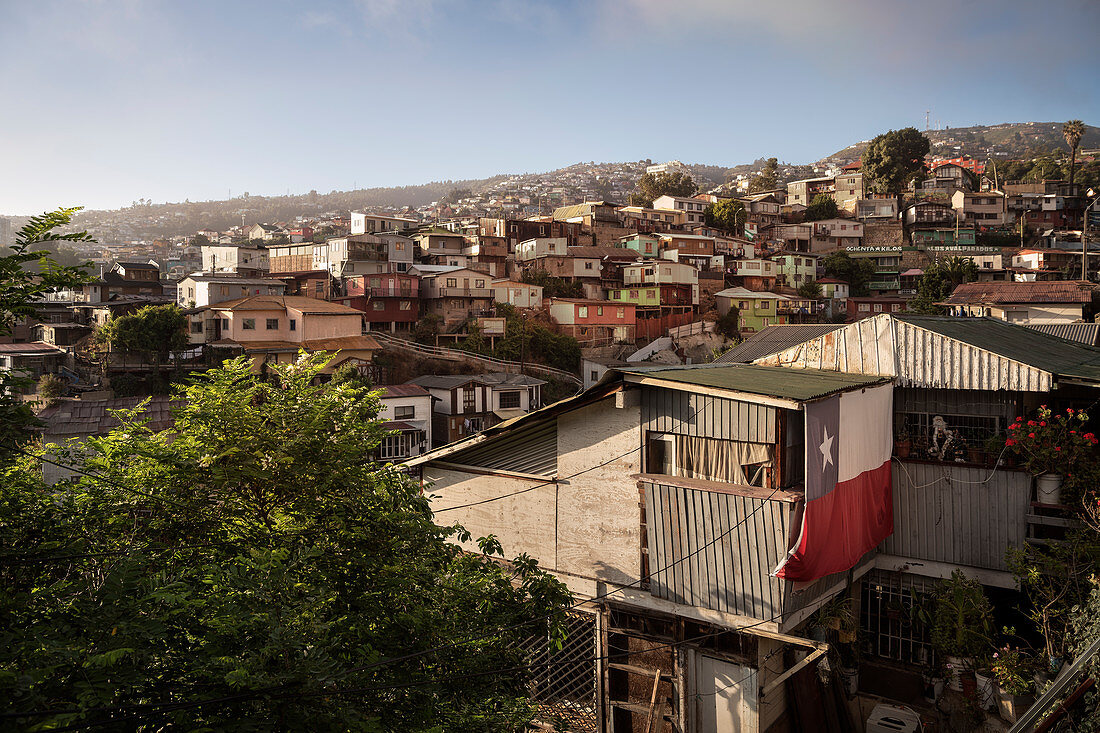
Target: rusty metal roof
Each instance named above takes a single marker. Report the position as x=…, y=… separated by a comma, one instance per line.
x=1053, y=291
x=774, y=339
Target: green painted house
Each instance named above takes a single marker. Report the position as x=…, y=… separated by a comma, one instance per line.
x=945, y=236
x=756, y=310
x=646, y=245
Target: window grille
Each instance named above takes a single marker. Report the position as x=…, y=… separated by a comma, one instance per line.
x=889, y=625
x=563, y=683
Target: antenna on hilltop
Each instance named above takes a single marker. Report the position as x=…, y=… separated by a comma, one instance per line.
x=926, y=113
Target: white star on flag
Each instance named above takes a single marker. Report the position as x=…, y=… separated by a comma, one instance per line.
x=826, y=449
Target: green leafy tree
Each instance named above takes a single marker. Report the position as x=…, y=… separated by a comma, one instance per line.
x=728, y=324
x=200, y=240
x=939, y=281
x=255, y=569
x=654, y=185
x=51, y=388
x=822, y=207
x=727, y=215
x=153, y=332
x=28, y=271
x=1073, y=131
x=810, y=289
x=893, y=159
x=475, y=342
x=553, y=287
x=856, y=272
x=427, y=328
x=767, y=180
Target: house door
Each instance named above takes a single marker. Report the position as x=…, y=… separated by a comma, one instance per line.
x=725, y=699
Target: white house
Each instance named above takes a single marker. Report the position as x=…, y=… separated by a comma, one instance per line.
x=405, y=409
x=520, y=295
x=200, y=289
x=241, y=259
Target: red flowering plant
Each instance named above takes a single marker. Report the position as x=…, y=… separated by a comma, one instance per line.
x=1052, y=443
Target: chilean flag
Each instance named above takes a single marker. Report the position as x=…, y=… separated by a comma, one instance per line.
x=849, y=499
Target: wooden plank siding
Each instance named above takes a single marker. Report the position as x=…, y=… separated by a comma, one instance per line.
x=960, y=515
x=706, y=416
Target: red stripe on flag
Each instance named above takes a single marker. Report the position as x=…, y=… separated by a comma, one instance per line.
x=841, y=526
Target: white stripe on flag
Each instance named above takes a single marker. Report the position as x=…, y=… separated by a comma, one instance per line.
x=866, y=430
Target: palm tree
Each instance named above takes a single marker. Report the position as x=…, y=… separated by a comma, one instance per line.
x=1072, y=132
x=959, y=270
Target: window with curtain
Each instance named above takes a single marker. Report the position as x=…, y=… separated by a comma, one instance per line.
x=710, y=459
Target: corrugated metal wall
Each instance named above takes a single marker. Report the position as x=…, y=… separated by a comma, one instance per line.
x=945, y=513
x=529, y=449
x=886, y=346
x=932, y=360
x=732, y=573
x=687, y=413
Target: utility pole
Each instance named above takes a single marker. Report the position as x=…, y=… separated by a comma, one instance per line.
x=1085, y=237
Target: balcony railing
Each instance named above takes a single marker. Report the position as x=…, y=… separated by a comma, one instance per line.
x=465, y=293
x=394, y=292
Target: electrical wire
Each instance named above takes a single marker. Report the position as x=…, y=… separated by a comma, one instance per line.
x=96, y=476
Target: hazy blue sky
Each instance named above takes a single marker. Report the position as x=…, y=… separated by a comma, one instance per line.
x=108, y=101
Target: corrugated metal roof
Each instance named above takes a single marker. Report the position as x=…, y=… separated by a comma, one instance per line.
x=1058, y=356
x=529, y=448
x=401, y=390
x=798, y=385
x=774, y=339
x=31, y=348
x=1054, y=291
x=1082, y=333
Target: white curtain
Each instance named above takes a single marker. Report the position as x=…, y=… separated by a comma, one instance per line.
x=719, y=460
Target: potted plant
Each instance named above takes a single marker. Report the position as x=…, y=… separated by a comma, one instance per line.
x=1012, y=670
x=934, y=676
x=836, y=615
x=903, y=446
x=1049, y=446
x=984, y=683
x=975, y=453
x=996, y=453
x=961, y=627
x=849, y=668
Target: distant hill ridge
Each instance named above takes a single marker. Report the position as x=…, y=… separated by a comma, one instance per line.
x=1014, y=140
